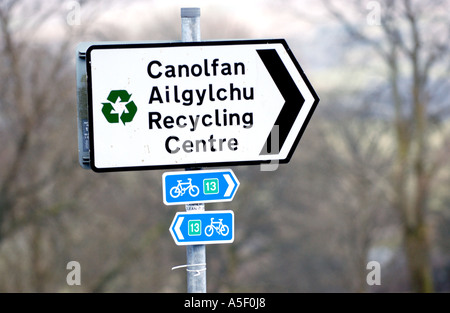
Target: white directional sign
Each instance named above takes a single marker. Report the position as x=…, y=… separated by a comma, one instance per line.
x=210, y=103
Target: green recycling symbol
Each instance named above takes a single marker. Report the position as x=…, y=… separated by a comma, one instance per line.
x=127, y=115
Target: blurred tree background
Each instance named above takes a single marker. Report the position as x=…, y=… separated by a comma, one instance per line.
x=369, y=180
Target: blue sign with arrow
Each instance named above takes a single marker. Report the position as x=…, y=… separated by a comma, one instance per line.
x=199, y=186
x=205, y=227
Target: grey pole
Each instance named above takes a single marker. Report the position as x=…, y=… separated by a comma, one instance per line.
x=190, y=24
x=195, y=254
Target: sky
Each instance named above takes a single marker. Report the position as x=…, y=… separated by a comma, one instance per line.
x=262, y=18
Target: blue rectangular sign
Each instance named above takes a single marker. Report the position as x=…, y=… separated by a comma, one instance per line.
x=204, y=227
x=199, y=186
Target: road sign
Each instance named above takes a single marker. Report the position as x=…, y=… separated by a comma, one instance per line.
x=199, y=186
x=197, y=104
x=206, y=227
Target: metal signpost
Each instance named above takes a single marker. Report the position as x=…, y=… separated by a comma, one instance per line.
x=190, y=105
x=195, y=254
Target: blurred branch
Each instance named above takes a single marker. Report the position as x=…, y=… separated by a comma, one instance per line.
x=354, y=31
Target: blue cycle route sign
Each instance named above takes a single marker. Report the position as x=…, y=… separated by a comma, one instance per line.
x=205, y=227
x=199, y=186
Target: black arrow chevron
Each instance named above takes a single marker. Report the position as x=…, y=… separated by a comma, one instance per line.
x=292, y=97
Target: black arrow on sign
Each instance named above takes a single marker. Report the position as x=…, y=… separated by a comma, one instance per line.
x=292, y=97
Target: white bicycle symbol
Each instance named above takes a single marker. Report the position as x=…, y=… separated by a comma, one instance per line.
x=218, y=226
x=181, y=188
